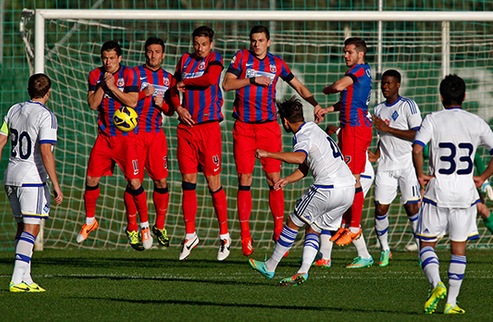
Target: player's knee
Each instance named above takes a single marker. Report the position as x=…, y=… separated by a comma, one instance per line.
x=188, y=185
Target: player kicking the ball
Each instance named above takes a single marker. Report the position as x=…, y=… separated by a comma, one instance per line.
x=321, y=207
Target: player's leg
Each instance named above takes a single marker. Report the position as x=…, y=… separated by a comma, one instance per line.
x=410, y=198
x=269, y=138
x=382, y=230
x=432, y=225
x=325, y=249
x=160, y=197
x=462, y=226
x=244, y=154
x=221, y=209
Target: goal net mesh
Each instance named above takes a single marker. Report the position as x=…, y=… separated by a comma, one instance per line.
x=313, y=50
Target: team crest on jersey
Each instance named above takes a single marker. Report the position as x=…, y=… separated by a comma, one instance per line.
x=347, y=159
x=166, y=81
x=215, y=159
x=273, y=68
x=201, y=65
x=395, y=115
x=120, y=82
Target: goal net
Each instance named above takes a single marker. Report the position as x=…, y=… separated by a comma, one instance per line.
x=313, y=50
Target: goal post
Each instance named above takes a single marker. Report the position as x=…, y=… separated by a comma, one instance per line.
x=424, y=46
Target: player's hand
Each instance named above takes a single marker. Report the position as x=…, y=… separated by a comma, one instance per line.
x=180, y=86
x=319, y=116
x=331, y=129
x=185, y=116
x=372, y=157
x=57, y=192
x=424, y=179
x=380, y=124
x=280, y=184
x=149, y=90
x=262, y=81
x=109, y=81
x=259, y=154
x=158, y=99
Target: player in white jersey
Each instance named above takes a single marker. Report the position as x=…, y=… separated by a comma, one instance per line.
x=321, y=207
x=33, y=131
x=450, y=197
x=396, y=119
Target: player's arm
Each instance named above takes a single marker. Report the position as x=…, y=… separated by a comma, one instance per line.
x=129, y=99
x=383, y=127
x=49, y=163
x=231, y=82
x=94, y=98
x=418, y=162
x=297, y=175
x=4, y=137
x=339, y=85
x=479, y=180
x=304, y=92
x=374, y=156
x=209, y=78
x=296, y=157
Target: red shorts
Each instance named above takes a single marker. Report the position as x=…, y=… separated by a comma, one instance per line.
x=108, y=150
x=200, y=145
x=153, y=154
x=354, y=143
x=248, y=137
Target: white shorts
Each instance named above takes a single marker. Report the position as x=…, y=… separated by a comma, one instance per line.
x=435, y=222
x=322, y=208
x=387, y=183
x=29, y=204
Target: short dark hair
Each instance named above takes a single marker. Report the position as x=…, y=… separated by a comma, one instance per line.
x=291, y=110
x=111, y=45
x=203, y=31
x=154, y=41
x=359, y=43
x=452, y=90
x=392, y=73
x=38, y=86
x=260, y=29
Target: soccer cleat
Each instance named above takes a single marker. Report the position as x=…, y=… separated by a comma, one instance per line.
x=294, y=280
x=186, y=247
x=322, y=262
x=18, y=288
x=85, y=230
x=347, y=237
x=359, y=262
x=412, y=247
x=134, y=240
x=224, y=249
x=161, y=236
x=438, y=293
x=146, y=238
x=338, y=234
x=35, y=288
x=449, y=309
x=385, y=257
x=246, y=246
x=260, y=267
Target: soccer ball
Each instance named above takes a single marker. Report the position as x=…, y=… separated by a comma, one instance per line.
x=125, y=119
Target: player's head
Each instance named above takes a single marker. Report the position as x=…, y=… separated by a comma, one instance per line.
x=354, y=51
x=391, y=82
x=111, y=55
x=38, y=86
x=452, y=90
x=154, y=50
x=290, y=112
x=259, y=41
x=203, y=37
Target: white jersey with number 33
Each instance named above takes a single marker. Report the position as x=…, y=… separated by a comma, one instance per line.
x=454, y=135
x=29, y=125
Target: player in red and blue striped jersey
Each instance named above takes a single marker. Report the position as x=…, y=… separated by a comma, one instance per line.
x=354, y=138
x=199, y=136
x=253, y=74
x=157, y=87
x=111, y=86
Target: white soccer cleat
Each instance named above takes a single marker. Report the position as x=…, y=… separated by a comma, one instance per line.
x=146, y=238
x=187, y=246
x=224, y=249
x=412, y=247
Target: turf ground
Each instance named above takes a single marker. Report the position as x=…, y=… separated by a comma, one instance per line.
x=95, y=285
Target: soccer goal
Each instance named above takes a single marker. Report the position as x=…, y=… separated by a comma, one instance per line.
x=65, y=44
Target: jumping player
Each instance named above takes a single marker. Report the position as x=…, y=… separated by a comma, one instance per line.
x=199, y=136
x=253, y=74
x=157, y=87
x=354, y=138
x=111, y=86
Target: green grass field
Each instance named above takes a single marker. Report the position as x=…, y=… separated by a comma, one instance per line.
x=153, y=285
